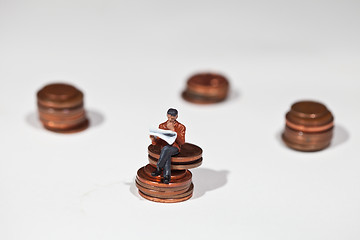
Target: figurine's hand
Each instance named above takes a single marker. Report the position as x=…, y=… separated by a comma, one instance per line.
x=152, y=138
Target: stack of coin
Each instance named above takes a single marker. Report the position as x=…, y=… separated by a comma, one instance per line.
x=309, y=126
x=206, y=88
x=61, y=108
x=180, y=187
x=152, y=188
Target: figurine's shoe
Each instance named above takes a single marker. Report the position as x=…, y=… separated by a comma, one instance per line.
x=166, y=179
x=156, y=173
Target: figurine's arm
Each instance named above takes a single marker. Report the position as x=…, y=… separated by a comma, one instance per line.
x=153, y=140
x=180, y=139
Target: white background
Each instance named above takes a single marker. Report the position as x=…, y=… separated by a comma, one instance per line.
x=132, y=59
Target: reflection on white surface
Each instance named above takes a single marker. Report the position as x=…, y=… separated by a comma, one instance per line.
x=33, y=120
x=341, y=135
x=206, y=180
x=96, y=118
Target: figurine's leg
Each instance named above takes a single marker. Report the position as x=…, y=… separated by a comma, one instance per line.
x=163, y=156
x=162, y=160
x=167, y=167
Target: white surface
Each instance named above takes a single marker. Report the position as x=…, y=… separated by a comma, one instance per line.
x=119, y=53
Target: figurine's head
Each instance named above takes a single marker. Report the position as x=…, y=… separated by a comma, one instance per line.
x=172, y=114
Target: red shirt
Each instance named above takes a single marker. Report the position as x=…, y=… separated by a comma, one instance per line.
x=180, y=139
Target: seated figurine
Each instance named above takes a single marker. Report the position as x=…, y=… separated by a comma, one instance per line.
x=167, y=151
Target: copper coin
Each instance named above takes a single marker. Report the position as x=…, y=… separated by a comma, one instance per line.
x=157, y=193
x=59, y=95
x=206, y=88
x=78, y=128
x=309, y=113
x=309, y=109
x=303, y=141
x=62, y=118
x=306, y=147
x=305, y=128
x=175, y=195
x=166, y=200
x=178, y=166
x=161, y=189
x=199, y=99
x=143, y=177
x=62, y=123
x=188, y=153
x=307, y=137
x=177, y=174
x=208, y=84
x=60, y=111
x=309, y=126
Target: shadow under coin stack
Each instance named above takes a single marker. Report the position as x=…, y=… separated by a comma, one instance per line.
x=206, y=88
x=61, y=108
x=309, y=126
x=180, y=187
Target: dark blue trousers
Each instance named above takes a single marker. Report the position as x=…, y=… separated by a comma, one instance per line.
x=165, y=159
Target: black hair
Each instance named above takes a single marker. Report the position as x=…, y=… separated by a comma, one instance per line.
x=173, y=112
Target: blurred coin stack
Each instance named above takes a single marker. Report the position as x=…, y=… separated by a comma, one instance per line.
x=61, y=108
x=206, y=88
x=309, y=126
x=180, y=187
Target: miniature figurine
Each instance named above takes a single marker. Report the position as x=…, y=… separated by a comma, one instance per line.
x=169, y=153
x=167, y=150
